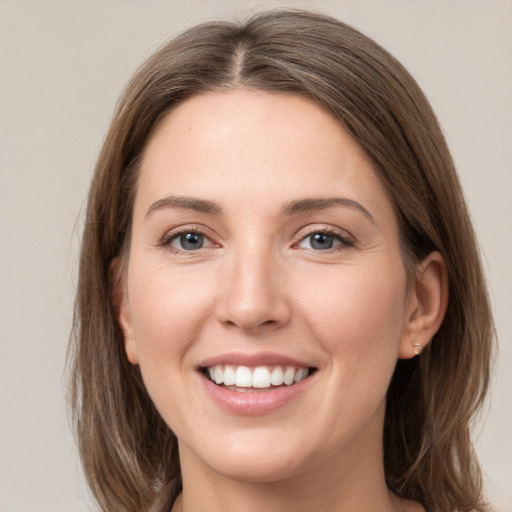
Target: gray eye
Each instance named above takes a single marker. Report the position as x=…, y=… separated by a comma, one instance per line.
x=321, y=241
x=189, y=241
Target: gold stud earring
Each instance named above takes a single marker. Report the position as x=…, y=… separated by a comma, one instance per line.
x=417, y=347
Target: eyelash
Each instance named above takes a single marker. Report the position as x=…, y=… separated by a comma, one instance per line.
x=169, y=238
x=345, y=241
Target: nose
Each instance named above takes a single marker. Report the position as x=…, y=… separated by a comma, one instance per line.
x=253, y=294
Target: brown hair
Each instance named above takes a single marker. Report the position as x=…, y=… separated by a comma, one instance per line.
x=128, y=453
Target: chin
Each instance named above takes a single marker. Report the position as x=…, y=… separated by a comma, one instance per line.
x=260, y=469
x=255, y=460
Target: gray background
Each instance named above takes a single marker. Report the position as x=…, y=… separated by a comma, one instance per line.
x=62, y=68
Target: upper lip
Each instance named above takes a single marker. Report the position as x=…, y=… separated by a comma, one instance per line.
x=260, y=359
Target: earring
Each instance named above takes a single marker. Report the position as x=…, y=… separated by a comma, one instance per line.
x=417, y=346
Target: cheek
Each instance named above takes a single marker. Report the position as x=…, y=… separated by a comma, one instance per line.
x=168, y=312
x=358, y=323
x=359, y=319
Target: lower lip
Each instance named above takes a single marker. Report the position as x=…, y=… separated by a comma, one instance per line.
x=250, y=403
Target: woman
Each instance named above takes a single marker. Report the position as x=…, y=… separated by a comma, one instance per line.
x=280, y=303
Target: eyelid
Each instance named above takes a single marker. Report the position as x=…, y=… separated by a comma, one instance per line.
x=347, y=240
x=171, y=235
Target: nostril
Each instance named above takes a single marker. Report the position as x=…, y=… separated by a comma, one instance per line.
x=250, y=326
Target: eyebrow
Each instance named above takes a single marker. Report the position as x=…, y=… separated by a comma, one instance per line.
x=314, y=204
x=295, y=207
x=184, y=203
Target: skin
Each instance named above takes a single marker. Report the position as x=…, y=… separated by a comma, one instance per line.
x=257, y=284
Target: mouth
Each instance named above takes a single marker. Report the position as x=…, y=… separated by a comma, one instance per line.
x=257, y=378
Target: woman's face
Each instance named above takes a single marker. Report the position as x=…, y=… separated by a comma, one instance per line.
x=265, y=256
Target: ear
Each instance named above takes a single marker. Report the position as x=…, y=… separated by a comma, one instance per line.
x=122, y=309
x=427, y=302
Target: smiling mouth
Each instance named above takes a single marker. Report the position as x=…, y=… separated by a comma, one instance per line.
x=259, y=378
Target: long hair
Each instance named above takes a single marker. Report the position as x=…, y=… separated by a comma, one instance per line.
x=128, y=453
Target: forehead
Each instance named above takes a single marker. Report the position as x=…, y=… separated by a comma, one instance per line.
x=254, y=146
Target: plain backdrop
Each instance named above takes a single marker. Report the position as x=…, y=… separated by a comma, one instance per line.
x=62, y=68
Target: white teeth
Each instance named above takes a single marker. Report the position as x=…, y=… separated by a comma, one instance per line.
x=261, y=377
x=243, y=377
x=276, y=379
x=301, y=374
x=229, y=375
x=219, y=375
x=289, y=376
